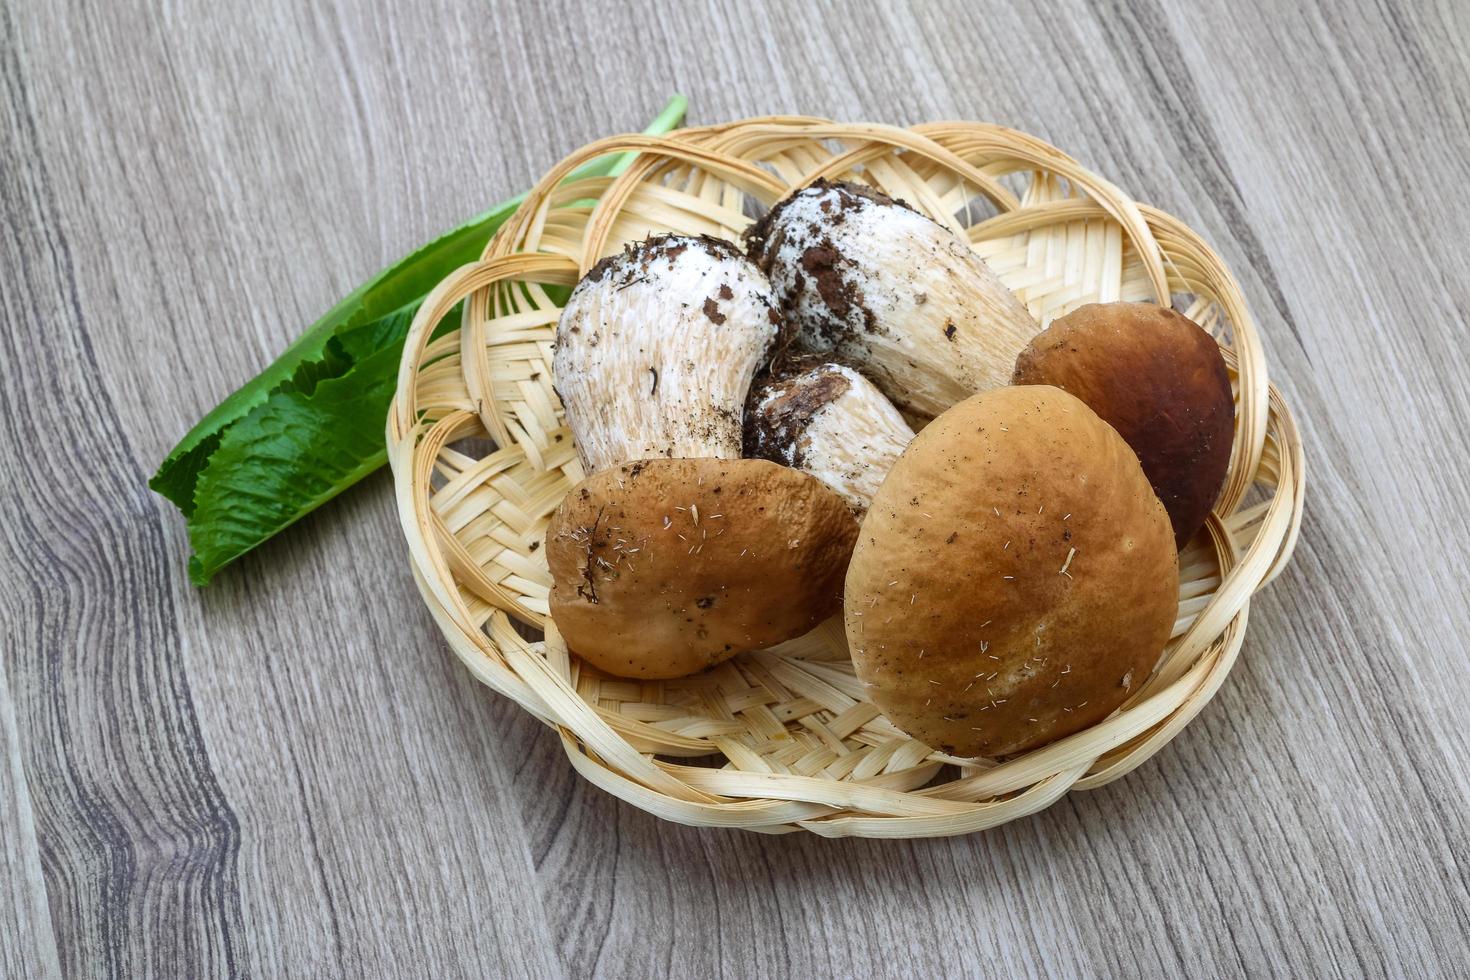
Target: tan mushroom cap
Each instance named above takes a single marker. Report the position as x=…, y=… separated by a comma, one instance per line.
x=1015, y=578
x=1158, y=378
x=664, y=567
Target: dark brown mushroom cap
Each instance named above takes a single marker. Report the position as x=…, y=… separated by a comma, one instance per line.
x=1158, y=378
x=667, y=566
x=1015, y=578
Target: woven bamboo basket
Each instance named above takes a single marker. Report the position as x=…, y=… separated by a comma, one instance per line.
x=783, y=739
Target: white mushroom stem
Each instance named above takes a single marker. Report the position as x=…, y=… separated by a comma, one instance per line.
x=875, y=282
x=656, y=349
x=831, y=422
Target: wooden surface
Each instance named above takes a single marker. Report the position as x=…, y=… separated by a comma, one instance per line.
x=288, y=775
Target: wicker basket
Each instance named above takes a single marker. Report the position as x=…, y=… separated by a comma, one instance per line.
x=782, y=739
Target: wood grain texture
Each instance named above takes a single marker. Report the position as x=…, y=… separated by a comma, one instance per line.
x=287, y=774
x=27, y=946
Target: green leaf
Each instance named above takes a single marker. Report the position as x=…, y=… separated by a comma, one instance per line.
x=290, y=439
x=288, y=456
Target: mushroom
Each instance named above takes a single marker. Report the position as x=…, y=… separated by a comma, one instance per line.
x=1158, y=378
x=656, y=349
x=663, y=567
x=1016, y=578
x=869, y=278
x=828, y=420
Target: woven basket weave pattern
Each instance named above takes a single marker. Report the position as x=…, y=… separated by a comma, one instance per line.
x=785, y=738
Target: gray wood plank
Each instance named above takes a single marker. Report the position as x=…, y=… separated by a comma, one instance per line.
x=361, y=837
x=287, y=774
x=27, y=946
x=136, y=841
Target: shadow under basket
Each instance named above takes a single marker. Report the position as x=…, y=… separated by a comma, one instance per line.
x=783, y=739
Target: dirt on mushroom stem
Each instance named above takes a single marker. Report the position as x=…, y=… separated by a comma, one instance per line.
x=683, y=321
x=872, y=279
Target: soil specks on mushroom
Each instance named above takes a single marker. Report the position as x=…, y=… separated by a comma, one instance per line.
x=822, y=416
x=652, y=319
x=872, y=279
x=712, y=311
x=587, y=589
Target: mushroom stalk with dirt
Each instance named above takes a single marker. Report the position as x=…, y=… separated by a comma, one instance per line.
x=828, y=420
x=870, y=279
x=656, y=349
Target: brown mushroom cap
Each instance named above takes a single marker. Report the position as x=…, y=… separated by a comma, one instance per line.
x=1158, y=378
x=1015, y=577
x=667, y=566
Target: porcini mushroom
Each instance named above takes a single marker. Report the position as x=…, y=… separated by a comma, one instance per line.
x=656, y=349
x=667, y=566
x=1015, y=579
x=869, y=278
x=1158, y=378
x=828, y=420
